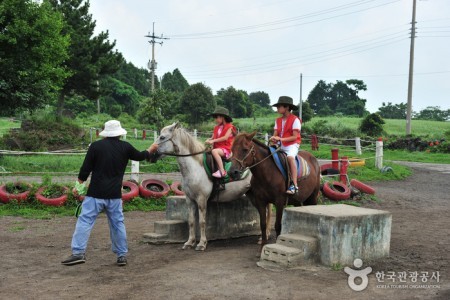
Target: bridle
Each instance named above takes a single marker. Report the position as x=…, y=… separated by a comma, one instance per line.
x=252, y=151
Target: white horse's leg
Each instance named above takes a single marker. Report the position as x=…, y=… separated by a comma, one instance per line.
x=201, y=246
x=191, y=241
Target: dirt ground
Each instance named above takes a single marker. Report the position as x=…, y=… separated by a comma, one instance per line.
x=31, y=251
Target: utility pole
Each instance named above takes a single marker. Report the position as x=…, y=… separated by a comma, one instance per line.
x=152, y=64
x=411, y=70
x=300, y=112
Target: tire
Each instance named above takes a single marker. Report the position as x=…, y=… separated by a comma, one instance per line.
x=133, y=193
x=362, y=187
x=325, y=167
x=51, y=201
x=5, y=197
x=161, y=188
x=176, y=188
x=336, y=191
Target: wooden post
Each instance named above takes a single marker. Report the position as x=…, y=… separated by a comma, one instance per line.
x=90, y=134
x=195, y=133
x=379, y=154
x=97, y=132
x=144, y=134
x=358, y=146
x=155, y=136
x=134, y=171
x=266, y=138
x=135, y=133
x=343, y=170
x=335, y=158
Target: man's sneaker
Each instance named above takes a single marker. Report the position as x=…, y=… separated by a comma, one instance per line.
x=121, y=261
x=75, y=259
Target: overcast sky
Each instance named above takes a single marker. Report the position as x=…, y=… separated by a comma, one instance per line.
x=264, y=45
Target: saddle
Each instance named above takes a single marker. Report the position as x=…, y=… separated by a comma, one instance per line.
x=280, y=159
x=210, y=166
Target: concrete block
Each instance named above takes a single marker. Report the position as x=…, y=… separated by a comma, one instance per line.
x=344, y=232
x=308, y=245
x=154, y=238
x=225, y=220
x=173, y=229
x=280, y=256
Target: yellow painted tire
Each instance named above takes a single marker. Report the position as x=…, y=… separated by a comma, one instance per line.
x=357, y=162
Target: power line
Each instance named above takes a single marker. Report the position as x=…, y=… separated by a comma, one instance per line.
x=209, y=35
x=297, y=61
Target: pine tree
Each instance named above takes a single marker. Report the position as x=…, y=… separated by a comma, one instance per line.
x=90, y=57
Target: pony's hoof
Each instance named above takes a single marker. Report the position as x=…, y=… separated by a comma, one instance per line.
x=186, y=247
x=200, y=248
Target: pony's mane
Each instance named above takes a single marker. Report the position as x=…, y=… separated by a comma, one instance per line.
x=191, y=143
x=256, y=141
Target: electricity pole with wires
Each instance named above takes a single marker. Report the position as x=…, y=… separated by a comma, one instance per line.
x=411, y=70
x=152, y=64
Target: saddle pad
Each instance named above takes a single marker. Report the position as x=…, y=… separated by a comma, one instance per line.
x=303, y=169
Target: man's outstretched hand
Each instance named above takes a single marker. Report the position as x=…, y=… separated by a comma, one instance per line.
x=153, y=148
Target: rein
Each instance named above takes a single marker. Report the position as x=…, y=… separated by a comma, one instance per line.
x=177, y=154
x=252, y=151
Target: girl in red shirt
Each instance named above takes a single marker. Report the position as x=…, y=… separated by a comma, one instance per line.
x=222, y=139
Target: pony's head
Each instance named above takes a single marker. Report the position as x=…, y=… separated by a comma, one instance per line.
x=173, y=138
x=243, y=153
x=165, y=139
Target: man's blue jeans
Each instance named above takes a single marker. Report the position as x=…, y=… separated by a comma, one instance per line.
x=90, y=209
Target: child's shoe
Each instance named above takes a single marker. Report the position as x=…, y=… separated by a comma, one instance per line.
x=219, y=174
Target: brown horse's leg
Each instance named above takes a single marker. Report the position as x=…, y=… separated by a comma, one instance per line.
x=280, y=207
x=262, y=223
x=268, y=222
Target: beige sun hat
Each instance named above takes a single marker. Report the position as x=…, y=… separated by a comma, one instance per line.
x=112, y=129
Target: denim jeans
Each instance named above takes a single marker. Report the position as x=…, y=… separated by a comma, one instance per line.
x=90, y=209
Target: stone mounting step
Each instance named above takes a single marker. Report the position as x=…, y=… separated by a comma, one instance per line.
x=308, y=245
x=276, y=254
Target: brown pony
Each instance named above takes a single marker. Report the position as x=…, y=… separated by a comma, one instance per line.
x=268, y=184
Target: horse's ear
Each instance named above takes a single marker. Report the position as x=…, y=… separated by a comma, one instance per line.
x=174, y=126
x=250, y=136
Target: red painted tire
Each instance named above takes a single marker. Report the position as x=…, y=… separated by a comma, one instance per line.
x=5, y=197
x=338, y=191
x=133, y=193
x=157, y=188
x=176, y=188
x=362, y=187
x=325, y=167
x=51, y=201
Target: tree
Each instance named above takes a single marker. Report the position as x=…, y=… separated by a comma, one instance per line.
x=138, y=78
x=372, y=125
x=90, y=57
x=198, y=102
x=32, y=50
x=260, y=98
x=319, y=96
x=150, y=111
x=340, y=97
x=307, y=112
x=236, y=101
x=174, y=82
x=119, y=93
x=392, y=111
x=433, y=113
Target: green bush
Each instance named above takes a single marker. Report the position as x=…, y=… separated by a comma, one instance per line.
x=372, y=125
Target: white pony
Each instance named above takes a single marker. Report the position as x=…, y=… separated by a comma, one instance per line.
x=175, y=141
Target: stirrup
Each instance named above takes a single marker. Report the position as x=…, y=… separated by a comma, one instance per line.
x=291, y=190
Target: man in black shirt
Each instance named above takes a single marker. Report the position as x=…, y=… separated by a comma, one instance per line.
x=106, y=160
